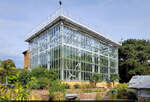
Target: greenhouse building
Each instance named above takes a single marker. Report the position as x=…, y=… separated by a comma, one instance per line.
x=72, y=49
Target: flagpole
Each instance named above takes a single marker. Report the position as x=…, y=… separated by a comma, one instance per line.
x=60, y=3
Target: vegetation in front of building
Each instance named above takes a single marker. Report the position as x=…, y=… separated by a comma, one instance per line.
x=41, y=78
x=96, y=78
x=17, y=84
x=121, y=92
x=15, y=93
x=57, y=91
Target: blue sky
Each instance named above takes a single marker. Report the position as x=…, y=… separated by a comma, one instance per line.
x=114, y=18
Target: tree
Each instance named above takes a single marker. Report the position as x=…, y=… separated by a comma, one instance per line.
x=113, y=78
x=2, y=75
x=0, y=64
x=133, y=59
x=7, y=65
x=96, y=78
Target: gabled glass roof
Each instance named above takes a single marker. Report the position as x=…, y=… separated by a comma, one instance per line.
x=62, y=13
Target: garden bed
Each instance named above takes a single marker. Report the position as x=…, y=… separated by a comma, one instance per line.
x=82, y=94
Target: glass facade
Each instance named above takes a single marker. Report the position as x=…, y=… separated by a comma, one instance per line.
x=73, y=54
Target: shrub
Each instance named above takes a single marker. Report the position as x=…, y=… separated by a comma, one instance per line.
x=39, y=72
x=17, y=93
x=43, y=82
x=33, y=84
x=12, y=79
x=113, y=94
x=131, y=95
x=43, y=77
x=122, y=94
x=96, y=78
x=55, y=86
x=113, y=78
x=25, y=77
x=52, y=75
x=76, y=86
x=67, y=86
x=122, y=86
x=59, y=96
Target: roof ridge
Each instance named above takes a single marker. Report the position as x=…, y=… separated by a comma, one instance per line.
x=63, y=13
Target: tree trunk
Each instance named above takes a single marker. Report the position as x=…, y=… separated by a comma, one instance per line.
x=6, y=80
x=113, y=83
x=95, y=83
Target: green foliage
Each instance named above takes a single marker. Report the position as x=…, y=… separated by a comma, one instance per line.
x=55, y=86
x=76, y=86
x=2, y=75
x=122, y=86
x=25, y=77
x=43, y=77
x=16, y=93
x=12, y=79
x=133, y=59
x=37, y=78
x=121, y=92
x=0, y=64
x=96, y=78
x=113, y=96
x=67, y=86
x=131, y=95
x=33, y=83
x=7, y=65
x=43, y=82
x=51, y=74
x=114, y=77
x=39, y=72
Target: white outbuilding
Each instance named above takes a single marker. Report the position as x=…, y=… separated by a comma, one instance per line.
x=140, y=84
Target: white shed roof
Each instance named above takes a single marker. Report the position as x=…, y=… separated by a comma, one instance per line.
x=145, y=95
x=140, y=82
